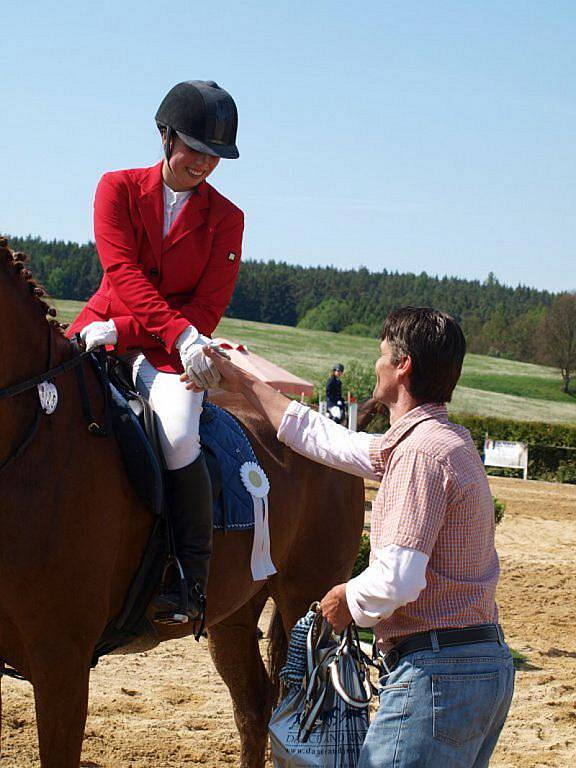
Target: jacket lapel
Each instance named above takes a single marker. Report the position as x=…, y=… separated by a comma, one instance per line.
x=192, y=216
x=151, y=207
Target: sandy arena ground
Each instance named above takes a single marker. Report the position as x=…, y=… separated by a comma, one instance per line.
x=167, y=708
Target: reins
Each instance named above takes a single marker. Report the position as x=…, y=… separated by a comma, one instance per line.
x=47, y=376
x=68, y=365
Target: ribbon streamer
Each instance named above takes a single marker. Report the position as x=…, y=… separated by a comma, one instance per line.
x=258, y=485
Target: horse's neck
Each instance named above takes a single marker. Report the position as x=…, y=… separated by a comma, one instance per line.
x=24, y=343
x=365, y=413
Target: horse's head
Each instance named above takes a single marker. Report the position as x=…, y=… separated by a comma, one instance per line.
x=23, y=318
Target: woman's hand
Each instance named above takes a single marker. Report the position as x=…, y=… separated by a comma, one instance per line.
x=199, y=369
x=265, y=398
x=98, y=333
x=230, y=374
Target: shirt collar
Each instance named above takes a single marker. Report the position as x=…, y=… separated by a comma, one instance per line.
x=397, y=431
x=171, y=197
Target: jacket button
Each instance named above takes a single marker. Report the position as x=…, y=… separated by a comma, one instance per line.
x=153, y=272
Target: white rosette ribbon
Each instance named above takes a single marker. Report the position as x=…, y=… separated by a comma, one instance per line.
x=257, y=484
x=48, y=395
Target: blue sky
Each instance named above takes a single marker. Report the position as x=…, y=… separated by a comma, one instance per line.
x=413, y=136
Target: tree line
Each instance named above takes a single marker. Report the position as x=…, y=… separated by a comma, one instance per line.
x=520, y=323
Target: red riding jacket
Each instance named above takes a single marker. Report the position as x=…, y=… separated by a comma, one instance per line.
x=154, y=287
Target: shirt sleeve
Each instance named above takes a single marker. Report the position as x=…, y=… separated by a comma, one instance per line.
x=395, y=577
x=415, y=501
x=322, y=440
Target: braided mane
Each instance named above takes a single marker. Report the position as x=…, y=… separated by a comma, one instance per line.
x=17, y=262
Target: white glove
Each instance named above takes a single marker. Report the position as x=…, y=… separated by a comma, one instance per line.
x=99, y=332
x=200, y=369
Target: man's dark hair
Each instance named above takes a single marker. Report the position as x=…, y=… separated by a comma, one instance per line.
x=436, y=345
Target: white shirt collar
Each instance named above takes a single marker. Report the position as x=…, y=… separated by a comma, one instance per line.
x=172, y=197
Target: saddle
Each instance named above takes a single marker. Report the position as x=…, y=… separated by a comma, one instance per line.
x=226, y=448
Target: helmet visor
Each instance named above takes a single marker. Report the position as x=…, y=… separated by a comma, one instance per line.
x=227, y=151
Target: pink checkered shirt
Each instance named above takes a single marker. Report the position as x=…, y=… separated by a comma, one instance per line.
x=434, y=497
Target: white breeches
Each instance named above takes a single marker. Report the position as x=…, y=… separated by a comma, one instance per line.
x=177, y=409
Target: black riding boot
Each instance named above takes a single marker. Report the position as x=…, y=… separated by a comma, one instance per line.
x=189, y=497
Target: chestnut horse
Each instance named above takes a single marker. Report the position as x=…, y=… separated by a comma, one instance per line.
x=72, y=531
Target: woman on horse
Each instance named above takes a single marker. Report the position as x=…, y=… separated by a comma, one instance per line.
x=170, y=247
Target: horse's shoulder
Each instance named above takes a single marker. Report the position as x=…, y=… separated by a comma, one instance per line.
x=250, y=418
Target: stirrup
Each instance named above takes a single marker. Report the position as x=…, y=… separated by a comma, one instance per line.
x=171, y=619
x=178, y=615
x=182, y=614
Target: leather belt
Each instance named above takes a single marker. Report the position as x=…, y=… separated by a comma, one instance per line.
x=440, y=638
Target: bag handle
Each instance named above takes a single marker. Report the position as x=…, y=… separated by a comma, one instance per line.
x=317, y=672
x=319, y=630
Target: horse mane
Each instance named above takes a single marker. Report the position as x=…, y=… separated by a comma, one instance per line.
x=16, y=261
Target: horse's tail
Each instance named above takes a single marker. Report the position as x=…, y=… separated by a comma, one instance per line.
x=277, y=650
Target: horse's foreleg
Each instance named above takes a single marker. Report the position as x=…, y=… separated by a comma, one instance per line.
x=60, y=683
x=234, y=648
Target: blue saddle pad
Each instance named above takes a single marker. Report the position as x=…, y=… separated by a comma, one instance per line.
x=221, y=434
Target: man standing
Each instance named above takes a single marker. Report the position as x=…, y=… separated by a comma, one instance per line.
x=447, y=674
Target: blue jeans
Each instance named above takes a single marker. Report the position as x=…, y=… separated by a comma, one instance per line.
x=441, y=709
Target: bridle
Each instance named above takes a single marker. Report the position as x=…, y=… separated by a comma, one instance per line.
x=25, y=386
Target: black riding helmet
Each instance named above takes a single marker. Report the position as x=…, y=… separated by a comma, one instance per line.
x=203, y=115
x=338, y=367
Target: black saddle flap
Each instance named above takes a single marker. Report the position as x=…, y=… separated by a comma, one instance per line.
x=141, y=463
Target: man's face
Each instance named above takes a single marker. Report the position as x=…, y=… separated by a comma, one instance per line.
x=387, y=378
x=188, y=167
x=337, y=373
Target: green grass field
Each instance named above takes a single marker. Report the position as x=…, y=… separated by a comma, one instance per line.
x=489, y=386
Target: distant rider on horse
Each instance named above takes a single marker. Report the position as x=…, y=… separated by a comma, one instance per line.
x=336, y=410
x=170, y=248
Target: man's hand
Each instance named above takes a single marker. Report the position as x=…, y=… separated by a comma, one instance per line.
x=264, y=398
x=335, y=608
x=99, y=332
